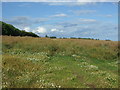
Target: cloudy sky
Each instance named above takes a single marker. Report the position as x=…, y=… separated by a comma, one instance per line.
x=97, y=20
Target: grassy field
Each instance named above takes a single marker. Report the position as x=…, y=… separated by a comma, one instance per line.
x=59, y=63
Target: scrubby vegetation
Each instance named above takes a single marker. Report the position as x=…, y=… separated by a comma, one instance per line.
x=59, y=63
x=10, y=30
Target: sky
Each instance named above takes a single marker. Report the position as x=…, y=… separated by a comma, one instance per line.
x=98, y=20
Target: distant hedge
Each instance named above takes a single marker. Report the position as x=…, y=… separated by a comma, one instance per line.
x=10, y=30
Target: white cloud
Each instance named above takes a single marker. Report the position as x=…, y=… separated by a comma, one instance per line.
x=19, y=21
x=40, y=30
x=87, y=20
x=40, y=20
x=60, y=15
x=27, y=29
x=25, y=21
x=108, y=15
x=81, y=12
x=54, y=30
x=81, y=28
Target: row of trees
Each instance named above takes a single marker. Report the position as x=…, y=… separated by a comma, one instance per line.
x=70, y=38
x=10, y=30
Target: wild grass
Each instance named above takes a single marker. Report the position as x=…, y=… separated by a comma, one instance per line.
x=59, y=63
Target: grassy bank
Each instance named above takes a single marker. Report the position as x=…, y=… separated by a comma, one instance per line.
x=59, y=63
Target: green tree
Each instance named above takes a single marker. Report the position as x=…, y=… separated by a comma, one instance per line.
x=8, y=29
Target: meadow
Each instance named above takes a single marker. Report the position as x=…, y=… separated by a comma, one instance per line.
x=33, y=62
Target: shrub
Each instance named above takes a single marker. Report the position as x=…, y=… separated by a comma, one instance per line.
x=53, y=37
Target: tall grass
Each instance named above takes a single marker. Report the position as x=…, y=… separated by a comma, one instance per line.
x=49, y=63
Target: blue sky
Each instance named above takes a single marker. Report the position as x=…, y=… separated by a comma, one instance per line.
x=85, y=20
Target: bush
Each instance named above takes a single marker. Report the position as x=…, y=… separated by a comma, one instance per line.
x=53, y=37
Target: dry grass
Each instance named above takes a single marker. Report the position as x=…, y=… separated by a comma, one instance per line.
x=49, y=63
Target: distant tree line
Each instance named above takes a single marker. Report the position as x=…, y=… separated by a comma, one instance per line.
x=50, y=37
x=72, y=38
x=10, y=30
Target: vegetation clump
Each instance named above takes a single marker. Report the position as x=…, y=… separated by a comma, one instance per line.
x=10, y=30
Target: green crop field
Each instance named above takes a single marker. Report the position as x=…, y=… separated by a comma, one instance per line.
x=30, y=62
